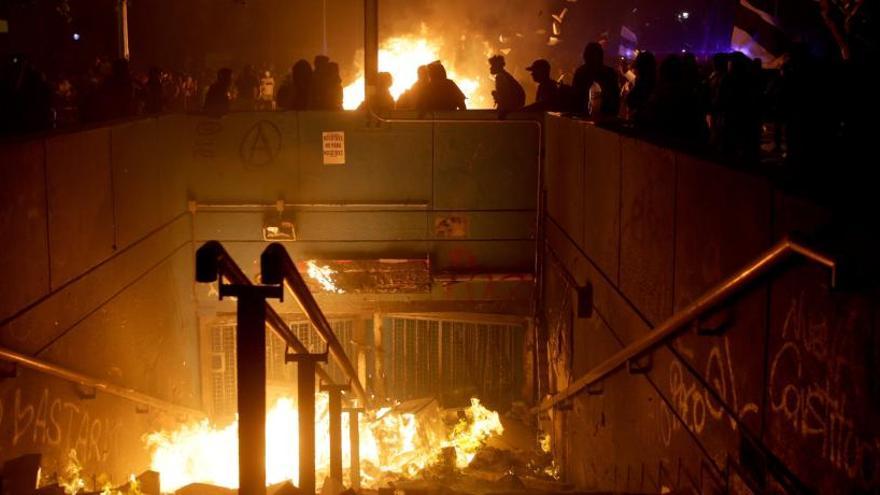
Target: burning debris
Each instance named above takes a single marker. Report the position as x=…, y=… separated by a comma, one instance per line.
x=407, y=441
x=410, y=446
x=72, y=481
x=324, y=276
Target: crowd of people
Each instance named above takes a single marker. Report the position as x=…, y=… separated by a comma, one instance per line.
x=107, y=89
x=729, y=103
x=804, y=111
x=306, y=87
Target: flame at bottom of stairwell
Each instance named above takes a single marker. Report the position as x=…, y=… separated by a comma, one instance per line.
x=392, y=445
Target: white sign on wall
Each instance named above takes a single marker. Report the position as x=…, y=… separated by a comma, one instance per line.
x=334, y=147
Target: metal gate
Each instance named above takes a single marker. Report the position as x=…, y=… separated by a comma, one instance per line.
x=453, y=361
x=278, y=373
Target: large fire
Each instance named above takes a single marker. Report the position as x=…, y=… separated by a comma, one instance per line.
x=402, y=55
x=392, y=445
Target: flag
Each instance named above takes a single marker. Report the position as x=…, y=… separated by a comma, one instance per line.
x=628, y=42
x=758, y=34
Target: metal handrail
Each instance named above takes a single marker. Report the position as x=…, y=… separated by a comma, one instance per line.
x=92, y=382
x=677, y=322
x=230, y=270
x=275, y=253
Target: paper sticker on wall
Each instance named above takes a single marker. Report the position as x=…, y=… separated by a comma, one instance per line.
x=450, y=226
x=334, y=147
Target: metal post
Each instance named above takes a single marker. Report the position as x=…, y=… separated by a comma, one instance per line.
x=122, y=29
x=305, y=391
x=371, y=47
x=250, y=340
x=354, y=441
x=324, y=24
x=359, y=337
x=379, y=357
x=335, y=411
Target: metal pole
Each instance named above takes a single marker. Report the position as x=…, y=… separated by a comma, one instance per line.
x=335, y=411
x=354, y=441
x=677, y=322
x=100, y=385
x=378, y=357
x=276, y=258
x=324, y=24
x=305, y=391
x=122, y=29
x=250, y=340
x=371, y=47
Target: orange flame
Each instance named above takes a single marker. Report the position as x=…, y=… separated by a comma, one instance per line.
x=392, y=445
x=402, y=55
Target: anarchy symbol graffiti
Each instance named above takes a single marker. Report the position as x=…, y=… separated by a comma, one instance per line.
x=261, y=144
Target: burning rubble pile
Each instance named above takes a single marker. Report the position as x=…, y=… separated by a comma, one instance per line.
x=413, y=440
x=412, y=444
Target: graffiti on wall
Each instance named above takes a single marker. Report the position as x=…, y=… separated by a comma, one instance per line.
x=205, y=140
x=42, y=421
x=814, y=388
x=693, y=403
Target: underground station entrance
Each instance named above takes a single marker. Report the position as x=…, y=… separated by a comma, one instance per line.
x=302, y=302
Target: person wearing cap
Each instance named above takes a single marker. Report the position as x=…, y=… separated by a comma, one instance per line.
x=509, y=94
x=547, y=95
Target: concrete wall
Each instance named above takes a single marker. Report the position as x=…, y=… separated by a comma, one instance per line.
x=96, y=266
x=400, y=180
x=406, y=177
x=651, y=229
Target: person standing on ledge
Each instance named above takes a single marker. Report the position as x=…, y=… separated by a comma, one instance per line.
x=509, y=94
x=547, y=95
x=596, y=90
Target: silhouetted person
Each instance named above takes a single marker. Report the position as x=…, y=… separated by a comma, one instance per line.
x=719, y=70
x=320, y=84
x=154, y=99
x=117, y=98
x=410, y=98
x=738, y=105
x=674, y=110
x=639, y=97
x=267, y=91
x=218, y=98
x=509, y=94
x=25, y=98
x=597, y=82
x=442, y=94
x=296, y=92
x=382, y=101
x=334, y=93
x=189, y=91
x=547, y=94
x=806, y=108
x=320, y=62
x=248, y=86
